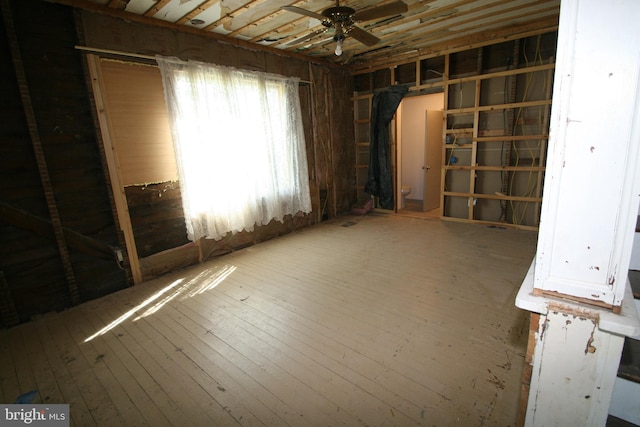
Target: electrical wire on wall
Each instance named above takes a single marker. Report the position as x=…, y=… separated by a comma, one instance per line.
x=505, y=155
x=451, y=159
x=518, y=212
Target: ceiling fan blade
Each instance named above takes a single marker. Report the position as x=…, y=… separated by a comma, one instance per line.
x=306, y=12
x=388, y=9
x=307, y=37
x=363, y=37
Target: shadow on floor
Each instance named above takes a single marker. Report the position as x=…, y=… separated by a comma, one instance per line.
x=413, y=208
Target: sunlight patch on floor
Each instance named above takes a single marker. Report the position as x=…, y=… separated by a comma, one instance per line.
x=201, y=283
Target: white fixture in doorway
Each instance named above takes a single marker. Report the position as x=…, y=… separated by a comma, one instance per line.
x=418, y=152
x=405, y=190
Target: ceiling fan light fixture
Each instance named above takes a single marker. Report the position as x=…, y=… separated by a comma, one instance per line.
x=344, y=20
x=339, y=37
x=338, y=51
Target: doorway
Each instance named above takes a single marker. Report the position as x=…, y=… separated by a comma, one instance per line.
x=419, y=155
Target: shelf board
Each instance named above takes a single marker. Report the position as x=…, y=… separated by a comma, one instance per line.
x=458, y=146
x=512, y=72
x=458, y=131
x=510, y=138
x=497, y=168
x=498, y=107
x=493, y=197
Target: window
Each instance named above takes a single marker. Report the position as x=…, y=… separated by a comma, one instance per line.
x=239, y=146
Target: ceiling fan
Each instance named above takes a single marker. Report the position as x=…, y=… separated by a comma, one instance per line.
x=343, y=20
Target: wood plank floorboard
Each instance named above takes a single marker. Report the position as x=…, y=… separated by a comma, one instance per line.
x=322, y=381
x=358, y=321
x=46, y=385
x=102, y=410
x=159, y=358
x=142, y=370
x=8, y=376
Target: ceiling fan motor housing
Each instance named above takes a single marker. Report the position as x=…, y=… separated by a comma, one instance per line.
x=341, y=17
x=339, y=14
x=344, y=19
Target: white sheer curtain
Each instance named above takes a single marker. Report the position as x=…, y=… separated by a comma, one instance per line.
x=239, y=146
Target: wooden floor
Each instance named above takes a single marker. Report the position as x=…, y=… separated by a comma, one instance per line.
x=413, y=208
x=364, y=320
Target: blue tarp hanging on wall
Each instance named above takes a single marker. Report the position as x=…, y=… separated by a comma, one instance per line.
x=380, y=178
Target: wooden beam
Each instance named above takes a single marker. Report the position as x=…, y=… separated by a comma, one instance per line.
x=44, y=228
x=115, y=175
x=170, y=260
x=122, y=257
x=477, y=108
x=36, y=142
x=486, y=38
x=147, y=20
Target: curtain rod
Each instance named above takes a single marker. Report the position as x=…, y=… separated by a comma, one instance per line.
x=132, y=55
x=115, y=52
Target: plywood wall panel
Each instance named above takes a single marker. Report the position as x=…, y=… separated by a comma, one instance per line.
x=140, y=132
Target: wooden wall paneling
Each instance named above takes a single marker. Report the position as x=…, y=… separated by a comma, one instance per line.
x=343, y=155
x=157, y=217
x=21, y=250
x=116, y=179
x=315, y=173
x=44, y=227
x=322, y=141
x=38, y=150
x=307, y=94
x=33, y=268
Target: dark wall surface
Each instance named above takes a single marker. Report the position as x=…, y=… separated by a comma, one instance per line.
x=51, y=152
x=58, y=226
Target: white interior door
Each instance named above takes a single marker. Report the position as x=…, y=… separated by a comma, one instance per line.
x=432, y=160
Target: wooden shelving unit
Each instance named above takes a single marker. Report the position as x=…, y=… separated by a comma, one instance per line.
x=496, y=120
x=493, y=151
x=362, y=114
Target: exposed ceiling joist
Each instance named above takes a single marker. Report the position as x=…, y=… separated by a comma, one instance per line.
x=390, y=29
